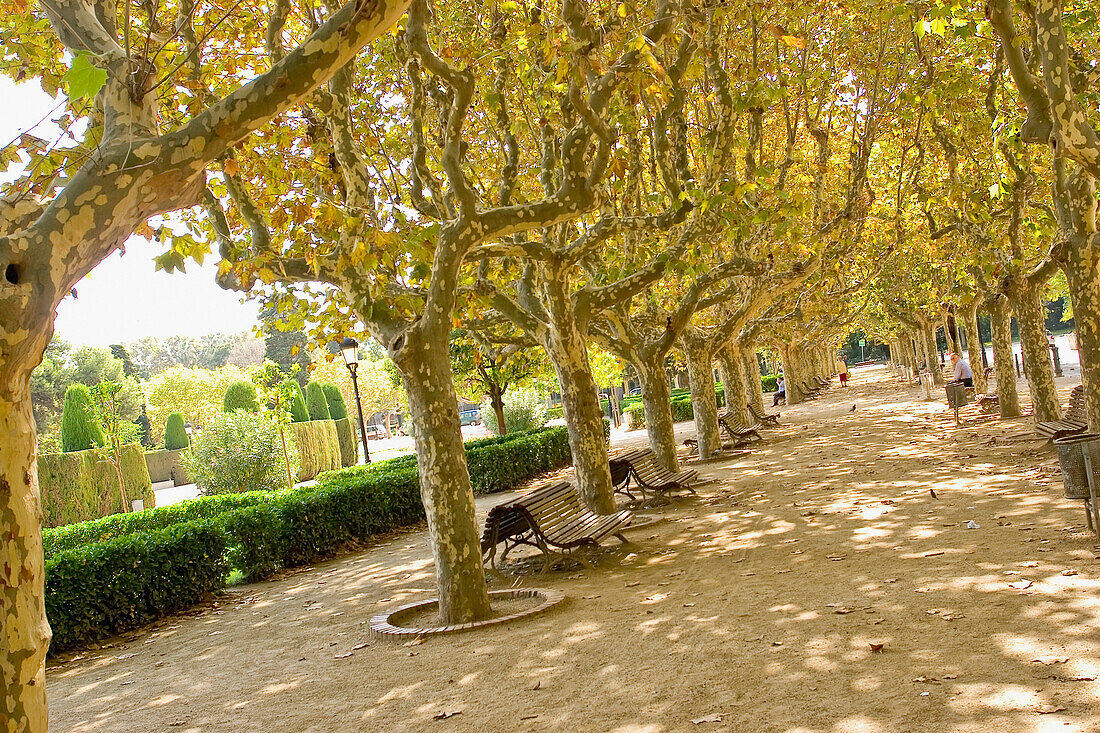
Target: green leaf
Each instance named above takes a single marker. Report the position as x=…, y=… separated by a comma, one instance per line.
x=83, y=78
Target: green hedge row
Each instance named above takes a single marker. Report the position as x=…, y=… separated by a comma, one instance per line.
x=81, y=485
x=318, y=447
x=122, y=571
x=349, y=441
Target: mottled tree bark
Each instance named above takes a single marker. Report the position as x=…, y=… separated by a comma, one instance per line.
x=732, y=370
x=1080, y=266
x=658, y=413
x=1003, y=364
x=973, y=347
x=22, y=594
x=1038, y=368
x=754, y=388
x=792, y=374
x=700, y=366
x=445, y=483
x=931, y=353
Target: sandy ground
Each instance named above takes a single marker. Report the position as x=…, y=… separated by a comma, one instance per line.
x=753, y=607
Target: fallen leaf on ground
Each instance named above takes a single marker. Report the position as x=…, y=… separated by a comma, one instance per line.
x=933, y=553
x=843, y=610
x=343, y=656
x=1020, y=584
x=589, y=598
x=657, y=597
x=1068, y=573
x=1050, y=660
x=446, y=714
x=1048, y=709
x=414, y=642
x=837, y=557
x=633, y=583
x=712, y=718
x=875, y=646
x=537, y=685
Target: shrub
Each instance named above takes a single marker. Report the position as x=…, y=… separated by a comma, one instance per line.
x=769, y=382
x=197, y=394
x=241, y=396
x=239, y=451
x=298, y=410
x=523, y=410
x=79, y=486
x=635, y=415
x=337, y=408
x=102, y=589
x=318, y=447
x=349, y=442
x=316, y=403
x=80, y=428
x=175, y=433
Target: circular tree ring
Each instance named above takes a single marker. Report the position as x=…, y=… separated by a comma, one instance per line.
x=387, y=624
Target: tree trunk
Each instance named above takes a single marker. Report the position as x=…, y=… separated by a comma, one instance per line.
x=703, y=402
x=754, y=389
x=658, y=413
x=949, y=333
x=496, y=399
x=932, y=357
x=733, y=384
x=26, y=634
x=1030, y=315
x=568, y=352
x=792, y=375
x=1084, y=289
x=973, y=347
x=1001, y=321
x=444, y=481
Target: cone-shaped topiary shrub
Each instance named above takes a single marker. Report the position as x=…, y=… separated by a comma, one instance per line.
x=337, y=408
x=316, y=402
x=80, y=428
x=241, y=396
x=298, y=410
x=175, y=435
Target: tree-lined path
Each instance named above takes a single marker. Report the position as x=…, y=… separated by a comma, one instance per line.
x=761, y=601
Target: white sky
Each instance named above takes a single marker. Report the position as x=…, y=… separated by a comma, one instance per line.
x=124, y=298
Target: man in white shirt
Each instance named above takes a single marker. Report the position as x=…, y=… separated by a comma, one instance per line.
x=963, y=375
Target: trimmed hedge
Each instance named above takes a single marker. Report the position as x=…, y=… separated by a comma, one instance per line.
x=79, y=486
x=175, y=433
x=349, y=442
x=337, y=408
x=105, y=588
x=317, y=402
x=241, y=396
x=119, y=572
x=635, y=415
x=318, y=447
x=80, y=428
x=298, y=410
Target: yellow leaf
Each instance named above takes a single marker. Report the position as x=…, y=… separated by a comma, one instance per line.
x=231, y=167
x=793, y=41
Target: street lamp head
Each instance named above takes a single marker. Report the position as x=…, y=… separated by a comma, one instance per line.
x=349, y=347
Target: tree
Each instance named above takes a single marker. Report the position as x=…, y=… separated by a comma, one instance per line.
x=119, y=352
x=115, y=410
x=80, y=427
x=241, y=396
x=152, y=135
x=175, y=433
x=482, y=368
x=316, y=403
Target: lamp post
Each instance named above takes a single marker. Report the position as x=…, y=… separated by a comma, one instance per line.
x=349, y=347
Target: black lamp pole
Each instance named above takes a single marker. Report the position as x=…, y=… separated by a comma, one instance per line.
x=349, y=348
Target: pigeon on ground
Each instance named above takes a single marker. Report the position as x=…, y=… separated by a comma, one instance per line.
x=933, y=493
x=853, y=409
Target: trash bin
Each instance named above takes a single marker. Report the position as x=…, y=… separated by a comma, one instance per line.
x=956, y=396
x=1071, y=457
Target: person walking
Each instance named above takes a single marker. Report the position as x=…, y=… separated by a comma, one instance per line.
x=842, y=370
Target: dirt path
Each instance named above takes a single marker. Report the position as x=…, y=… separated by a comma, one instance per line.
x=758, y=602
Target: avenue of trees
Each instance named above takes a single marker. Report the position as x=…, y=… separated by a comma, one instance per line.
x=477, y=182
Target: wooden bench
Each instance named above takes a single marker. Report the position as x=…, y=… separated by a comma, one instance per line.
x=651, y=476
x=1073, y=421
x=739, y=433
x=810, y=392
x=765, y=420
x=553, y=519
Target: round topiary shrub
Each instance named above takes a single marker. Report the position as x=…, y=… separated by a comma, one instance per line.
x=298, y=410
x=316, y=403
x=337, y=408
x=240, y=451
x=175, y=434
x=80, y=427
x=241, y=396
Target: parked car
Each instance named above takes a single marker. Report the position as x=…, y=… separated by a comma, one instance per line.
x=374, y=432
x=636, y=392
x=469, y=417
